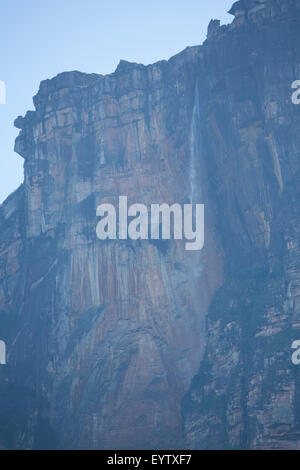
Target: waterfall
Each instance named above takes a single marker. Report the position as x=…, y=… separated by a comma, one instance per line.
x=197, y=262
x=194, y=137
x=195, y=190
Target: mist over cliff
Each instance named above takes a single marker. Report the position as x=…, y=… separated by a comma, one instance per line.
x=124, y=344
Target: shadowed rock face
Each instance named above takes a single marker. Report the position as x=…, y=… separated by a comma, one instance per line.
x=247, y=391
x=105, y=339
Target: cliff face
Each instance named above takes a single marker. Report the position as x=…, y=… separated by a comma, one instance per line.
x=108, y=335
x=105, y=339
x=247, y=391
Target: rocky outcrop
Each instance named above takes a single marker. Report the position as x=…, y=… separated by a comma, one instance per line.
x=105, y=339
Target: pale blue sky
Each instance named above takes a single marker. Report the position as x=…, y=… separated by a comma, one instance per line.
x=41, y=38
